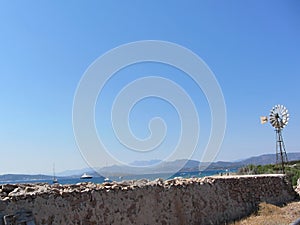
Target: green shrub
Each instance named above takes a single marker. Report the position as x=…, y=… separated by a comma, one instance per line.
x=292, y=170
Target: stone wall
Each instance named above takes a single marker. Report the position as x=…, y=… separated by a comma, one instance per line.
x=209, y=200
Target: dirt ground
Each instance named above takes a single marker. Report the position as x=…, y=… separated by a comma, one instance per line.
x=273, y=215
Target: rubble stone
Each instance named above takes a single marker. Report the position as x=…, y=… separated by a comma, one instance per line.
x=209, y=200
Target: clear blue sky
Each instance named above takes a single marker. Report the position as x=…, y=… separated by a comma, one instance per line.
x=252, y=47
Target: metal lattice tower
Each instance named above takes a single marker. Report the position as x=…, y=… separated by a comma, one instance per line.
x=281, y=156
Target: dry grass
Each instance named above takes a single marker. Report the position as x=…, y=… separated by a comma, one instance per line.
x=272, y=215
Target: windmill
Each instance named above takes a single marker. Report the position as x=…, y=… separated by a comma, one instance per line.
x=279, y=118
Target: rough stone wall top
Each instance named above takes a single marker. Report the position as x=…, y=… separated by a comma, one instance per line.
x=209, y=200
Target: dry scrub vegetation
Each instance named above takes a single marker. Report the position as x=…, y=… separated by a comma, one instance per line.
x=273, y=215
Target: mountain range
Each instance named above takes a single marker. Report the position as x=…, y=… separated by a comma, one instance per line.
x=193, y=165
x=190, y=165
x=140, y=167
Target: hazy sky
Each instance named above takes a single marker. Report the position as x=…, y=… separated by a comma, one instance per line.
x=252, y=47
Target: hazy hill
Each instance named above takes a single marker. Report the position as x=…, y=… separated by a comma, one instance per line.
x=191, y=165
x=269, y=159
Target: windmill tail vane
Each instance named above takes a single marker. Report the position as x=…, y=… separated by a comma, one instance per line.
x=263, y=119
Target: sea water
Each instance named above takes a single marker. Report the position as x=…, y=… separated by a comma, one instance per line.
x=99, y=180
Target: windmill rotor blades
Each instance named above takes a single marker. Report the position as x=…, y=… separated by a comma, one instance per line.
x=273, y=121
x=275, y=124
x=279, y=116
